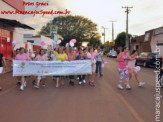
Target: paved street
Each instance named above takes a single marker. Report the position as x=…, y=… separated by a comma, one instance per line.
x=103, y=103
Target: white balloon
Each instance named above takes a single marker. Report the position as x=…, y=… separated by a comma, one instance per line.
x=71, y=44
x=33, y=55
x=67, y=45
x=59, y=41
x=137, y=68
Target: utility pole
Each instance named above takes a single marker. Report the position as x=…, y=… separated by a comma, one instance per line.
x=112, y=30
x=104, y=32
x=127, y=12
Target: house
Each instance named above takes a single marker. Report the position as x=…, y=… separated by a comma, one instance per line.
x=11, y=26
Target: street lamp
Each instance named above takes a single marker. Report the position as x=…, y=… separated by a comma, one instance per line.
x=103, y=34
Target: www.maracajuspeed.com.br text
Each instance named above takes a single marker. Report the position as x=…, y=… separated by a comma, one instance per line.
x=42, y=12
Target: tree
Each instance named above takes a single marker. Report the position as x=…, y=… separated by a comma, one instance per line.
x=73, y=27
x=94, y=42
x=120, y=40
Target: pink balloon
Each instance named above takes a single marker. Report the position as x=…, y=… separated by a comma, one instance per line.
x=43, y=43
x=105, y=63
x=73, y=41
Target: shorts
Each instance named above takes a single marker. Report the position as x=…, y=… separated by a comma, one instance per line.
x=1, y=69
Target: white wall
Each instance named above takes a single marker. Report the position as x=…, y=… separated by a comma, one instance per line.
x=156, y=38
x=18, y=32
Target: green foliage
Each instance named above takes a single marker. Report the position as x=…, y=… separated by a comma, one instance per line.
x=94, y=42
x=73, y=27
x=120, y=40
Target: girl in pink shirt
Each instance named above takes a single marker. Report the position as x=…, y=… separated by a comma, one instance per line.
x=40, y=57
x=122, y=68
x=24, y=57
x=132, y=68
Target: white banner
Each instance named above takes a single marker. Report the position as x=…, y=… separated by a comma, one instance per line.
x=50, y=68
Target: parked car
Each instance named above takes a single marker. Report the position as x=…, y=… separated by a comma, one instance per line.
x=148, y=59
x=112, y=54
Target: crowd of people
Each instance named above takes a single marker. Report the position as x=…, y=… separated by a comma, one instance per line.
x=60, y=54
x=125, y=65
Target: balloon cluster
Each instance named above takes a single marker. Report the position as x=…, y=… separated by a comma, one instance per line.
x=72, y=42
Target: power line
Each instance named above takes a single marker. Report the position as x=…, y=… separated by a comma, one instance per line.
x=128, y=10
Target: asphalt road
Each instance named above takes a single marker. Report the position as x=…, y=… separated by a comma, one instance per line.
x=81, y=103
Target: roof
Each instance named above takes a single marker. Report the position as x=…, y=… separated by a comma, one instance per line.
x=15, y=24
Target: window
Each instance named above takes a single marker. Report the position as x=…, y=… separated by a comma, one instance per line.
x=31, y=41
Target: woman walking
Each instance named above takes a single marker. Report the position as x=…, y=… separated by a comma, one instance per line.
x=40, y=57
x=2, y=63
x=132, y=68
x=71, y=56
x=122, y=68
x=23, y=57
x=99, y=63
x=92, y=56
x=60, y=56
x=81, y=56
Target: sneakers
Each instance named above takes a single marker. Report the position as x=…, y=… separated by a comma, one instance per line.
x=36, y=86
x=34, y=82
x=84, y=81
x=141, y=84
x=128, y=86
x=18, y=83
x=21, y=87
x=77, y=78
x=120, y=87
x=80, y=82
x=43, y=84
x=71, y=83
x=25, y=84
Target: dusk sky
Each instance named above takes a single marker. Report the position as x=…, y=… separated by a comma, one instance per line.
x=145, y=15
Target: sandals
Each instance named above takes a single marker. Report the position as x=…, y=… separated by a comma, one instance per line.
x=92, y=83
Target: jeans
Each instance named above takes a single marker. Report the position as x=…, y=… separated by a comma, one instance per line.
x=81, y=78
x=99, y=67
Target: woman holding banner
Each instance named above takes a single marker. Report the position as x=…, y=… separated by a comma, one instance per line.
x=60, y=56
x=71, y=56
x=40, y=57
x=23, y=57
x=81, y=56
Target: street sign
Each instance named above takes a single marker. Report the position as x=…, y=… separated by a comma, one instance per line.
x=53, y=29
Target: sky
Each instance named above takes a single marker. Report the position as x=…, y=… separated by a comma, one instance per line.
x=145, y=14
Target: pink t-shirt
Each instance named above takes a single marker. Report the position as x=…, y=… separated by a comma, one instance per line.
x=123, y=64
x=24, y=57
x=41, y=58
x=91, y=56
x=131, y=64
x=71, y=56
